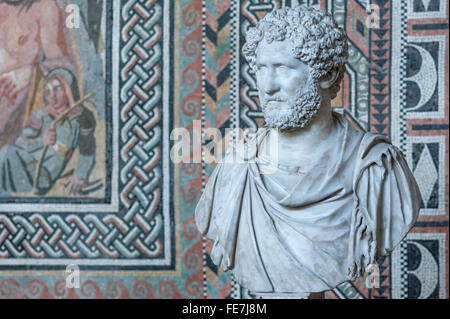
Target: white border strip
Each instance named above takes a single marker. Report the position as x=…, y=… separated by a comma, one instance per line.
x=166, y=110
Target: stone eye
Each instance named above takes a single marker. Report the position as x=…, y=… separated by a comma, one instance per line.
x=282, y=69
x=259, y=67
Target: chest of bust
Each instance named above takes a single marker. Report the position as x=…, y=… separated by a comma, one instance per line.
x=326, y=174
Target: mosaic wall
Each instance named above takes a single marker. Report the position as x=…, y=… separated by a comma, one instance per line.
x=93, y=189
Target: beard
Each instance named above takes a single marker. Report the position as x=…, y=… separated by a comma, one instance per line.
x=299, y=111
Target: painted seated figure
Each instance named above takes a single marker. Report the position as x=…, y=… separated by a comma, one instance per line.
x=334, y=199
x=18, y=162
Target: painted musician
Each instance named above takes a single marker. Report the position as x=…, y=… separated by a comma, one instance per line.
x=18, y=162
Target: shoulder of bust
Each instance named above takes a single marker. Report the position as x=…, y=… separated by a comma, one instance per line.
x=373, y=146
x=376, y=150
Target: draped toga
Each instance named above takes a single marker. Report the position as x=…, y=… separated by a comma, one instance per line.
x=355, y=204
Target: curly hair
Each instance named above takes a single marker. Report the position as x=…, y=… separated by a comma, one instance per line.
x=316, y=40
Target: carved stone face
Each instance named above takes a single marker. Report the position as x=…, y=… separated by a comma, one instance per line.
x=289, y=96
x=279, y=75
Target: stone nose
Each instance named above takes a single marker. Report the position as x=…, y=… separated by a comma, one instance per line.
x=271, y=84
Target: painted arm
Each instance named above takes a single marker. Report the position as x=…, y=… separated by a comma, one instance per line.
x=55, y=45
x=87, y=148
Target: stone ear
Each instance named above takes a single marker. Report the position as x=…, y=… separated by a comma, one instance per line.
x=328, y=80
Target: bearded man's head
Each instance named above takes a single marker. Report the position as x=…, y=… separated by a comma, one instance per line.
x=317, y=42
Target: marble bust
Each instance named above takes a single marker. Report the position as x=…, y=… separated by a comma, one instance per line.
x=338, y=197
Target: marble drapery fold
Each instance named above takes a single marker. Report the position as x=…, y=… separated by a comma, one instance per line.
x=355, y=204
